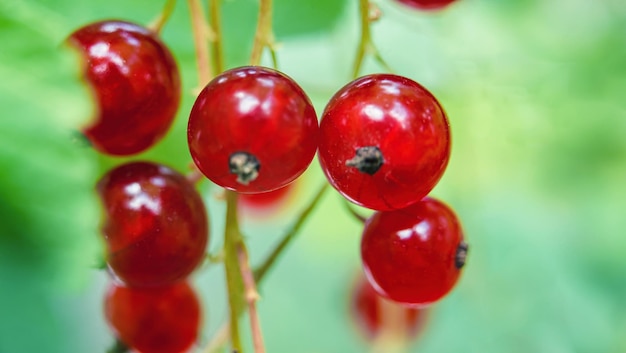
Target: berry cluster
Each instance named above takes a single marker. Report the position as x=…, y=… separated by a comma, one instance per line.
x=155, y=226
x=383, y=143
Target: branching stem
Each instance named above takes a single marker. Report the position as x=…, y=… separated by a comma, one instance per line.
x=157, y=24
x=366, y=45
x=259, y=274
x=260, y=271
x=251, y=296
x=264, y=36
x=217, y=51
x=201, y=35
x=232, y=238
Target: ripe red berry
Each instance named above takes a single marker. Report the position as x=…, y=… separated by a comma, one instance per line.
x=414, y=256
x=154, y=320
x=384, y=141
x=368, y=310
x=267, y=201
x=427, y=4
x=135, y=82
x=156, y=226
x=252, y=129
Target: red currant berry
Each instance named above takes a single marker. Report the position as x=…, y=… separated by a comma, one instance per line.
x=414, y=256
x=154, y=320
x=135, y=82
x=252, y=129
x=384, y=141
x=427, y=4
x=156, y=226
x=373, y=314
x=267, y=200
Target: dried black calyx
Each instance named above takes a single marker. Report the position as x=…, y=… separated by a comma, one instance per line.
x=461, y=255
x=367, y=160
x=245, y=165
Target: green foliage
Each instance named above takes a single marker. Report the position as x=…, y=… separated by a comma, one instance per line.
x=48, y=211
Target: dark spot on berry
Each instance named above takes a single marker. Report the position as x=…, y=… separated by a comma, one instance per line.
x=367, y=160
x=461, y=255
x=245, y=165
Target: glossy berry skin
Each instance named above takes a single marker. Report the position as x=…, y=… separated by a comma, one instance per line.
x=262, y=116
x=154, y=320
x=427, y=4
x=135, y=82
x=413, y=256
x=367, y=307
x=156, y=226
x=403, y=128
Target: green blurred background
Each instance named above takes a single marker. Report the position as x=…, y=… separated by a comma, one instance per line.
x=535, y=95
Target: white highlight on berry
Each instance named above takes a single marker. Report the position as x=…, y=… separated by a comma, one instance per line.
x=140, y=199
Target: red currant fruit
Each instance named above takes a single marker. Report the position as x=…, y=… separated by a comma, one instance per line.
x=154, y=320
x=427, y=4
x=252, y=129
x=156, y=226
x=267, y=199
x=135, y=82
x=367, y=308
x=384, y=141
x=414, y=256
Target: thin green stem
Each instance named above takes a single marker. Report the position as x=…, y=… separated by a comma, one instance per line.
x=359, y=217
x=217, y=50
x=263, y=36
x=366, y=45
x=366, y=40
x=158, y=23
x=252, y=296
x=274, y=58
x=232, y=238
x=260, y=271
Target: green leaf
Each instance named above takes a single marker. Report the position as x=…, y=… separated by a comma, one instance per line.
x=48, y=210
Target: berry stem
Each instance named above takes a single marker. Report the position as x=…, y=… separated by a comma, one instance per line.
x=157, y=24
x=366, y=40
x=260, y=271
x=359, y=217
x=252, y=296
x=366, y=45
x=201, y=35
x=118, y=347
x=274, y=58
x=263, y=37
x=241, y=284
x=232, y=240
x=217, y=51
